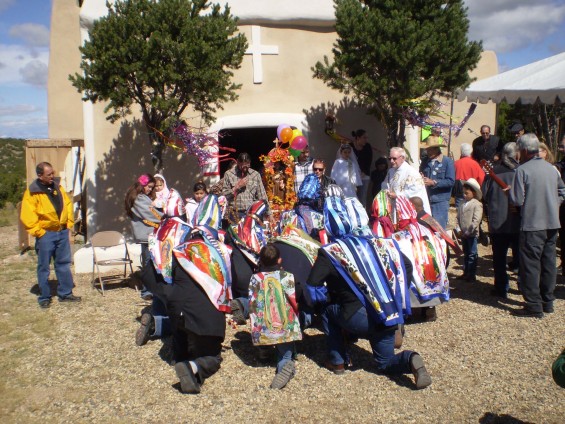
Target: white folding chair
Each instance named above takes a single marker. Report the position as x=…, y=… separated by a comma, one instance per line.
x=101, y=243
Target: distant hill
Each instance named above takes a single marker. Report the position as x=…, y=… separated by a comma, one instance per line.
x=12, y=170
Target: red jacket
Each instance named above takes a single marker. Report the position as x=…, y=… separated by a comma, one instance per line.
x=466, y=168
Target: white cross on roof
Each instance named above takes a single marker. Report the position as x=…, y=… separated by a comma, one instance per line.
x=256, y=49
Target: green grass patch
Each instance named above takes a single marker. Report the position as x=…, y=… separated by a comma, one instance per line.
x=8, y=216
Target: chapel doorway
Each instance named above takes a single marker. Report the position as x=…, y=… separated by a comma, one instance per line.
x=255, y=141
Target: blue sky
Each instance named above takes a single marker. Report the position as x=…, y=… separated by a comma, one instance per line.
x=519, y=31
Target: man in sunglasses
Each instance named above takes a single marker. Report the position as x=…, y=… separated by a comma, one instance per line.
x=487, y=146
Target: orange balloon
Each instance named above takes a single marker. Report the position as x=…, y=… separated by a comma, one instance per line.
x=286, y=134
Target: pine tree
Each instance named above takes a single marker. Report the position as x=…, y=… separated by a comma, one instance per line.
x=389, y=52
x=163, y=55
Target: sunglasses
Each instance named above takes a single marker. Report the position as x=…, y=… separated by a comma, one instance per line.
x=319, y=169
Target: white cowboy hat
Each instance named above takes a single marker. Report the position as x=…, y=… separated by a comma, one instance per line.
x=474, y=185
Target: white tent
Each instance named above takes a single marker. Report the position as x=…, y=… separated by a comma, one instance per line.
x=543, y=80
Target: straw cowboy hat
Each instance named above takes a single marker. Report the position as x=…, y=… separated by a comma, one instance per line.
x=474, y=185
x=432, y=141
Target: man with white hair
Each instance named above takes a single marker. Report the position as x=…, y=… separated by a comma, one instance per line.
x=466, y=168
x=538, y=190
x=403, y=179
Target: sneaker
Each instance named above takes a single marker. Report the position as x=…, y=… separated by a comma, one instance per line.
x=237, y=312
x=283, y=376
x=44, y=304
x=147, y=297
x=526, y=313
x=188, y=381
x=70, y=298
x=335, y=368
x=421, y=375
x=145, y=330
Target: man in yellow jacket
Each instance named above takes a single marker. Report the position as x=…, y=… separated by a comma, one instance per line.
x=47, y=214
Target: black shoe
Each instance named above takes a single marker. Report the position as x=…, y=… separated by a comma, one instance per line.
x=495, y=292
x=430, y=314
x=548, y=309
x=146, y=329
x=70, y=298
x=188, y=381
x=526, y=313
x=147, y=296
x=237, y=312
x=44, y=304
x=421, y=376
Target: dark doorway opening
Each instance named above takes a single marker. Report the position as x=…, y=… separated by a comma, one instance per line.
x=255, y=141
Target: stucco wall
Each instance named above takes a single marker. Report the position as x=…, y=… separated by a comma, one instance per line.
x=119, y=152
x=64, y=101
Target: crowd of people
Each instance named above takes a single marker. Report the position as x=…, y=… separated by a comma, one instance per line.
x=226, y=254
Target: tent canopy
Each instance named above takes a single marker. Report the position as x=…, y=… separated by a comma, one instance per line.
x=543, y=80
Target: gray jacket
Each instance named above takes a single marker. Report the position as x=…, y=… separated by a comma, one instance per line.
x=538, y=189
x=142, y=210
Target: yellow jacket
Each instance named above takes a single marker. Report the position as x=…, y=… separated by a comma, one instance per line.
x=38, y=213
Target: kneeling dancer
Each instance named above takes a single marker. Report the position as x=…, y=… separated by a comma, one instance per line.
x=199, y=297
x=366, y=280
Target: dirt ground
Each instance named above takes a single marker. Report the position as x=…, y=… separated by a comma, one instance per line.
x=79, y=363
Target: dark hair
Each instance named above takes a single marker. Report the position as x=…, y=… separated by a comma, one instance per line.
x=199, y=186
x=269, y=255
x=41, y=167
x=358, y=133
x=244, y=157
x=319, y=161
x=133, y=191
x=417, y=202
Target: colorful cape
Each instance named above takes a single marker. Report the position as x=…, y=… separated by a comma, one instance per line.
x=206, y=259
x=273, y=309
x=171, y=233
x=377, y=278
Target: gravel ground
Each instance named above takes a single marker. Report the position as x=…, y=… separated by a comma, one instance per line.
x=79, y=363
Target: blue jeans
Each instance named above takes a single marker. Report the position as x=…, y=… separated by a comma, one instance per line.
x=360, y=325
x=440, y=210
x=145, y=259
x=54, y=245
x=285, y=352
x=471, y=255
x=162, y=323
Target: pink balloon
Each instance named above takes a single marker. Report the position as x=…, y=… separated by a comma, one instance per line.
x=299, y=143
x=280, y=128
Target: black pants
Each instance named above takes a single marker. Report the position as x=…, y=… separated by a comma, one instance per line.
x=537, y=268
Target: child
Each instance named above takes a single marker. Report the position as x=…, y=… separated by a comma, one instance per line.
x=273, y=312
x=469, y=216
x=161, y=192
x=199, y=191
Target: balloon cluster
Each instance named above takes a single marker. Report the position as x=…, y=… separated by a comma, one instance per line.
x=293, y=136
